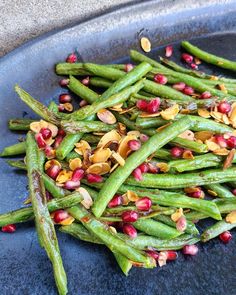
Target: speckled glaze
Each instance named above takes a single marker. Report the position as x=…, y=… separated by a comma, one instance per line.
x=91, y=269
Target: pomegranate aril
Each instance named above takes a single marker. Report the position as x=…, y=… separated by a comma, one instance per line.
x=40, y=141
x=152, y=168
x=64, y=82
x=46, y=133
x=143, y=137
x=143, y=204
x=168, y=51
x=205, y=95
x=137, y=174
x=53, y=171
x=85, y=81
x=78, y=174
x=234, y=191
x=83, y=103
x=72, y=58
x=61, y=132
x=221, y=141
x=142, y=104
x=188, y=90
x=60, y=215
x=225, y=237
x=61, y=108
x=143, y=167
x=93, y=178
x=57, y=141
x=65, y=97
x=129, y=216
x=130, y=230
x=115, y=201
x=49, y=152
x=153, y=105
x=160, y=79
x=187, y=58
x=152, y=254
x=198, y=194
x=171, y=255
x=71, y=184
x=231, y=142
x=190, y=250
x=129, y=67
x=194, y=66
x=134, y=144
x=224, y=107
x=176, y=152
x=10, y=228
x=48, y=196
x=181, y=224
x=179, y=86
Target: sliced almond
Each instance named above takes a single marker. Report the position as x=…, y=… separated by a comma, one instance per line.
x=221, y=152
x=203, y=113
x=190, y=190
x=212, y=193
x=50, y=163
x=121, y=128
x=49, y=141
x=214, y=78
x=145, y=44
x=203, y=135
x=162, y=258
x=231, y=217
x=36, y=126
x=132, y=196
x=101, y=155
x=212, y=146
x=232, y=114
x=99, y=168
x=188, y=134
x=106, y=116
x=117, y=108
x=188, y=155
x=170, y=113
x=225, y=119
x=216, y=115
x=134, y=133
x=185, y=111
x=120, y=160
x=68, y=221
x=109, y=137
x=63, y=176
x=149, y=115
x=163, y=127
x=125, y=200
x=228, y=161
x=112, y=229
x=87, y=200
x=127, y=110
x=75, y=163
x=176, y=216
x=114, y=167
x=82, y=147
x=163, y=167
x=222, y=88
x=124, y=148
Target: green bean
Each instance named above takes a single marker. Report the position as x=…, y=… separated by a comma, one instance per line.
x=156, y=229
x=92, y=139
x=216, y=229
x=27, y=214
x=163, y=154
x=17, y=164
x=20, y=124
x=44, y=225
x=120, y=209
x=220, y=190
x=72, y=155
x=76, y=69
x=190, y=229
x=209, y=58
x=120, y=174
x=100, y=82
x=36, y=106
x=67, y=145
x=14, y=150
x=111, y=240
x=124, y=263
x=190, y=144
x=171, y=181
x=149, y=122
x=114, y=99
x=74, y=127
x=139, y=57
x=51, y=186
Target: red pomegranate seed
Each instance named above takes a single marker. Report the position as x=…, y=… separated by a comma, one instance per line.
x=225, y=237
x=61, y=132
x=231, y=142
x=71, y=184
x=234, y=191
x=49, y=152
x=60, y=215
x=72, y=58
x=134, y=145
x=181, y=224
x=61, y=108
x=143, y=204
x=130, y=230
x=86, y=81
x=187, y=58
x=83, y=103
x=142, y=105
x=46, y=133
x=53, y=171
x=194, y=66
x=48, y=196
x=152, y=168
x=190, y=250
x=153, y=105
x=10, y=228
x=152, y=254
x=78, y=174
x=57, y=141
x=129, y=216
x=179, y=86
x=137, y=174
x=143, y=137
x=169, y=51
x=205, y=95
x=65, y=97
x=129, y=67
x=143, y=167
x=221, y=141
x=188, y=90
x=115, y=201
x=171, y=255
x=94, y=178
x=64, y=82
x=176, y=152
x=40, y=141
x=160, y=79
x=224, y=107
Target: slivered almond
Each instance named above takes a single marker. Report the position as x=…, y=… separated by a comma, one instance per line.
x=120, y=160
x=212, y=193
x=229, y=159
x=106, y=116
x=68, y=221
x=101, y=155
x=124, y=148
x=75, y=163
x=231, y=217
x=149, y=115
x=87, y=200
x=121, y=128
x=171, y=112
x=114, y=167
x=163, y=127
x=221, y=152
x=99, y=168
x=145, y=44
x=203, y=113
x=212, y=146
x=176, y=216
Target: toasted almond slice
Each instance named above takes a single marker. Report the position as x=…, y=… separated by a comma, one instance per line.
x=229, y=159
x=99, y=168
x=106, y=116
x=134, y=133
x=53, y=128
x=188, y=155
x=75, y=163
x=176, y=216
x=222, y=88
x=101, y=155
x=231, y=217
x=212, y=193
x=145, y=44
x=185, y=111
x=125, y=199
x=163, y=167
x=162, y=258
x=49, y=163
x=188, y=134
x=124, y=148
x=163, y=127
x=214, y=78
x=87, y=200
x=110, y=136
x=197, y=61
x=49, y=141
x=120, y=160
x=63, y=176
x=82, y=147
x=112, y=229
x=68, y=106
x=121, y=128
x=69, y=220
x=114, y=167
x=225, y=119
x=203, y=135
x=232, y=114
x=132, y=196
x=35, y=126
x=216, y=115
x=123, y=111
x=221, y=152
x=190, y=190
x=117, y=107
x=149, y=115
x=212, y=146
x=203, y=113
x=171, y=112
